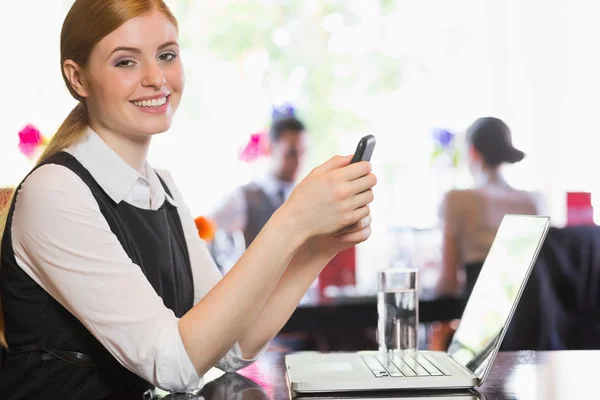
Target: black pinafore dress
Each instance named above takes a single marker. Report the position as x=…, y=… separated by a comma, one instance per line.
x=51, y=355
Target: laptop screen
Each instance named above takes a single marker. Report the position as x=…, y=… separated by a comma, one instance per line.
x=494, y=297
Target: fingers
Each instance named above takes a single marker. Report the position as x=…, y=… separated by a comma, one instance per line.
x=362, y=184
x=355, y=227
x=354, y=171
x=334, y=162
x=359, y=214
x=362, y=199
x=356, y=237
x=357, y=232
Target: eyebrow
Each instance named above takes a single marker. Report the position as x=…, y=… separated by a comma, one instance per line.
x=138, y=51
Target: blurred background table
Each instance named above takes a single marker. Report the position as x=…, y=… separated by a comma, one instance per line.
x=349, y=322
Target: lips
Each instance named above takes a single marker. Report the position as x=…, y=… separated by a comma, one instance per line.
x=158, y=105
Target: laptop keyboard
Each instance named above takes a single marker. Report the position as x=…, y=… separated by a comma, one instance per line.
x=402, y=365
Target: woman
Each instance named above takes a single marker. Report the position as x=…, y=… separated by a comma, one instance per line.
x=472, y=217
x=105, y=285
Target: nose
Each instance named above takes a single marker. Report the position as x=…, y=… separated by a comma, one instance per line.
x=153, y=76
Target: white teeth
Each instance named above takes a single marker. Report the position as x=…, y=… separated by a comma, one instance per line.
x=151, y=103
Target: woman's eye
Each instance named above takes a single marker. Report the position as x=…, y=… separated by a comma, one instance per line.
x=124, y=64
x=167, y=57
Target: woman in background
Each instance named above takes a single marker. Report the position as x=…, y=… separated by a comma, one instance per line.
x=105, y=285
x=470, y=218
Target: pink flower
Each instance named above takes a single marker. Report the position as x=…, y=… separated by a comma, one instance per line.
x=256, y=147
x=30, y=138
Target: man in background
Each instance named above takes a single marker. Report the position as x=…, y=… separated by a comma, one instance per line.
x=249, y=207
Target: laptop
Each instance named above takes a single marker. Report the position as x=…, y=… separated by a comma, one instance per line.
x=433, y=394
x=474, y=346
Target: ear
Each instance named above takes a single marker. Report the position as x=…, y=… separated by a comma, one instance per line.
x=74, y=74
x=474, y=154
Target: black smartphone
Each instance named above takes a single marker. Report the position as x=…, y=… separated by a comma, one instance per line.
x=364, y=150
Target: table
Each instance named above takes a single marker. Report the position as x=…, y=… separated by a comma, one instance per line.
x=515, y=375
x=347, y=312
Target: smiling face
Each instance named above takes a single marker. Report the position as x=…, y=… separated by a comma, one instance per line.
x=133, y=82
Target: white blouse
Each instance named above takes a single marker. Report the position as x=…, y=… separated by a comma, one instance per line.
x=62, y=241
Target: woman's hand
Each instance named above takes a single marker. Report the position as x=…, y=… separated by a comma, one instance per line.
x=329, y=245
x=332, y=199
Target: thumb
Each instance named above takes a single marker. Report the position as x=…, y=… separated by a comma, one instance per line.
x=334, y=162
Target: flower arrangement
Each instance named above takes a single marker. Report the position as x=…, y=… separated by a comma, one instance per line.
x=206, y=228
x=258, y=143
x=257, y=147
x=445, y=147
x=286, y=110
x=31, y=140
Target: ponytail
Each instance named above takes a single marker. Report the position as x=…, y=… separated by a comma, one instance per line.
x=69, y=132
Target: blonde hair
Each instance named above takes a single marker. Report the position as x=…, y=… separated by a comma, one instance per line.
x=87, y=22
